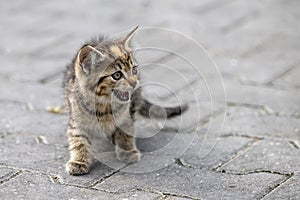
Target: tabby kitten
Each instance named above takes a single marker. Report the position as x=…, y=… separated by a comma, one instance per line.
x=102, y=91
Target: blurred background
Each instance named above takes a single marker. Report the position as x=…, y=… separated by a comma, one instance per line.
x=244, y=38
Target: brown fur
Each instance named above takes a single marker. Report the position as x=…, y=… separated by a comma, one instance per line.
x=95, y=104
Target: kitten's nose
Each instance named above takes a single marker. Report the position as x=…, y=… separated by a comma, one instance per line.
x=132, y=83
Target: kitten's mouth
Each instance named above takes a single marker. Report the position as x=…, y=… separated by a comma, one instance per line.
x=121, y=95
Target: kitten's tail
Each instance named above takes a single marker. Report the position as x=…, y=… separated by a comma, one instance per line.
x=149, y=109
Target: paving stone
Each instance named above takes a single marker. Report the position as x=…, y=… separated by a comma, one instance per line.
x=289, y=190
x=32, y=153
x=16, y=47
x=201, y=149
x=54, y=80
x=258, y=122
x=185, y=66
x=159, y=86
x=122, y=18
x=194, y=183
x=250, y=42
x=29, y=70
x=252, y=31
x=39, y=186
x=228, y=12
x=271, y=56
x=36, y=96
x=175, y=62
x=193, y=117
x=197, y=149
x=158, y=151
x=270, y=155
x=204, y=100
x=37, y=124
x=209, y=152
x=274, y=100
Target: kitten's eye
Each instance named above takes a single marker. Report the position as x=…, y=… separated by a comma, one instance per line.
x=117, y=75
x=134, y=70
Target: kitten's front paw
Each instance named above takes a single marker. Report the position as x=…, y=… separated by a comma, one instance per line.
x=77, y=168
x=131, y=156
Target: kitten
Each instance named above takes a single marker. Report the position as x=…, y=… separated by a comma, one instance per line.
x=102, y=91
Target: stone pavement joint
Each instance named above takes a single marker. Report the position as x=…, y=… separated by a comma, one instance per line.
x=256, y=48
x=54, y=179
x=50, y=77
x=280, y=183
x=283, y=73
x=294, y=144
x=105, y=177
x=212, y=5
x=241, y=134
x=239, y=22
x=165, y=195
x=9, y=176
x=244, y=149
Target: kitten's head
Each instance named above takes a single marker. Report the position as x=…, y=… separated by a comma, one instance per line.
x=108, y=70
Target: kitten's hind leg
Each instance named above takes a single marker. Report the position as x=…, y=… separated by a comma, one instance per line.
x=125, y=147
x=81, y=158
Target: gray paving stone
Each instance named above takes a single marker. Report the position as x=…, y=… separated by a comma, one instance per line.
x=258, y=122
x=16, y=47
x=228, y=12
x=271, y=56
x=209, y=152
x=251, y=41
x=54, y=80
x=194, y=183
x=37, y=96
x=197, y=150
x=39, y=186
x=31, y=153
x=51, y=127
x=253, y=31
x=289, y=190
x=195, y=116
x=158, y=151
x=185, y=61
x=274, y=100
x=186, y=65
x=270, y=155
x=29, y=70
x=235, y=42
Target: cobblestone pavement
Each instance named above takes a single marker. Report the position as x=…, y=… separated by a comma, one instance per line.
x=255, y=45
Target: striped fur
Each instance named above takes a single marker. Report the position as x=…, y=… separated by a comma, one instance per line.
x=102, y=93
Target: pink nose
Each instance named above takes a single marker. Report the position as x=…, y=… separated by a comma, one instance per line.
x=132, y=83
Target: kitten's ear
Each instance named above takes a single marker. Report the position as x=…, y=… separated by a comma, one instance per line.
x=126, y=41
x=83, y=54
